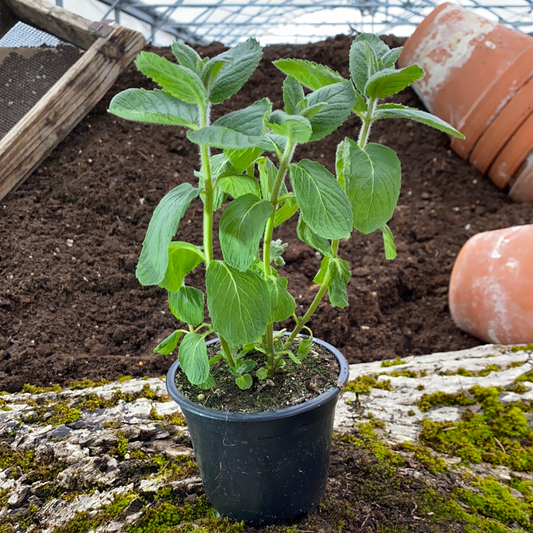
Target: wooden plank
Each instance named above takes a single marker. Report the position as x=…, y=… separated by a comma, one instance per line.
x=64, y=105
x=6, y=18
x=55, y=20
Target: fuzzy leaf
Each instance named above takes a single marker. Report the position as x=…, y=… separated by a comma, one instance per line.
x=183, y=258
x=154, y=107
x=239, y=64
x=306, y=234
x=241, y=227
x=286, y=210
x=193, y=358
x=324, y=206
x=372, y=182
x=169, y=344
x=240, y=129
x=292, y=94
x=389, y=81
x=238, y=303
x=389, y=59
x=186, y=56
x=187, y=305
x=308, y=73
x=400, y=111
x=388, y=242
x=359, y=68
x=339, y=271
x=181, y=82
x=339, y=100
x=293, y=126
x=239, y=185
x=282, y=302
x=242, y=159
x=153, y=261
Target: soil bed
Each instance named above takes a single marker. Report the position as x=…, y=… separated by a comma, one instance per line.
x=70, y=306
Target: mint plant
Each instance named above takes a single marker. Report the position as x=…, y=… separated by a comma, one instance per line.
x=245, y=293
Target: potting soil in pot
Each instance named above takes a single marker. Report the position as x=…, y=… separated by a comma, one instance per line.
x=71, y=307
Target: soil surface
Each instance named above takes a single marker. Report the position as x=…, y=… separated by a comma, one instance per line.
x=71, y=307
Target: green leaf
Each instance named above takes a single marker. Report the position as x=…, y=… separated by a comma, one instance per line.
x=244, y=382
x=154, y=107
x=261, y=373
x=340, y=161
x=277, y=248
x=274, y=143
x=324, y=206
x=388, y=242
x=292, y=94
x=294, y=127
x=389, y=59
x=267, y=176
x=241, y=228
x=209, y=383
x=308, y=73
x=293, y=358
x=210, y=71
x=360, y=106
x=242, y=159
x=321, y=274
x=339, y=271
x=246, y=366
x=181, y=82
x=239, y=185
x=239, y=64
x=400, y=111
x=186, y=56
x=153, y=261
x=282, y=302
x=286, y=210
x=238, y=303
x=340, y=101
x=187, y=305
x=183, y=258
x=306, y=234
x=193, y=358
x=391, y=81
x=373, y=179
x=359, y=68
x=169, y=344
x=310, y=111
x=240, y=129
x=304, y=346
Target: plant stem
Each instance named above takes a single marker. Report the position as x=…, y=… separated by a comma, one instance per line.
x=208, y=191
x=227, y=352
x=367, y=123
x=274, y=196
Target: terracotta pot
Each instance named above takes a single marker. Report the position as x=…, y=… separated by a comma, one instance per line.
x=503, y=127
x=515, y=152
x=491, y=288
x=522, y=185
x=465, y=58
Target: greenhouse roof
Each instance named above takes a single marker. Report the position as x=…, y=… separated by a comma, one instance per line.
x=289, y=21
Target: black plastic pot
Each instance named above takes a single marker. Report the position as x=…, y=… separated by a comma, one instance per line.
x=263, y=467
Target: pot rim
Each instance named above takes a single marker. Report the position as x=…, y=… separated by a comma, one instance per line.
x=286, y=412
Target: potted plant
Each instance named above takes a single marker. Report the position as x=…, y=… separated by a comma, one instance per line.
x=260, y=403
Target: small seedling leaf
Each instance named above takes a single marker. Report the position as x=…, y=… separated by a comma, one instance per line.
x=244, y=382
x=186, y=56
x=391, y=81
x=310, y=74
x=388, y=242
x=169, y=344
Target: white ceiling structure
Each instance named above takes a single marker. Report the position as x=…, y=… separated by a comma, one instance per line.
x=283, y=21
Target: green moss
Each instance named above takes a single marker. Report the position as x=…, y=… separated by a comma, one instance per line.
x=526, y=348
x=528, y=376
x=393, y=362
x=87, y=384
x=32, y=389
x=518, y=388
x=124, y=378
x=494, y=500
x=384, y=384
x=420, y=387
x=411, y=412
x=361, y=384
x=438, y=399
x=500, y=435
x=490, y=368
x=425, y=457
x=4, y=405
x=408, y=373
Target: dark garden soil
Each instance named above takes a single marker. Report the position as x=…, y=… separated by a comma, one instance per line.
x=71, y=307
